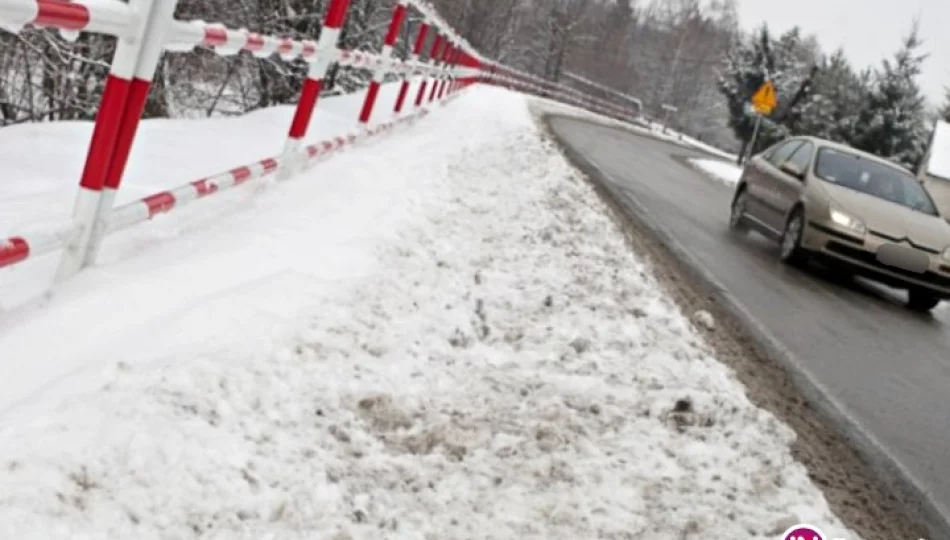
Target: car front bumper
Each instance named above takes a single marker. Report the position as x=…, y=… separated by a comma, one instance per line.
x=861, y=257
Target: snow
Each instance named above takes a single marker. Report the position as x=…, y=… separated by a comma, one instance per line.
x=655, y=129
x=606, y=89
x=448, y=343
x=723, y=171
x=211, y=247
x=685, y=140
x=708, y=148
x=939, y=163
x=41, y=198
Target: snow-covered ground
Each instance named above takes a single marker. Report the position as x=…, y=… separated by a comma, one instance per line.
x=441, y=335
x=656, y=129
x=726, y=172
x=671, y=135
x=41, y=180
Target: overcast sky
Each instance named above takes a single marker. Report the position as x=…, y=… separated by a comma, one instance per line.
x=867, y=30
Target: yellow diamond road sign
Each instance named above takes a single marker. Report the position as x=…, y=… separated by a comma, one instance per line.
x=764, y=100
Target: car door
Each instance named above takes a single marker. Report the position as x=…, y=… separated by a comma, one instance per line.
x=760, y=183
x=783, y=188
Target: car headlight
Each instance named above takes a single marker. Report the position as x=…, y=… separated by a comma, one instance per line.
x=946, y=254
x=846, y=221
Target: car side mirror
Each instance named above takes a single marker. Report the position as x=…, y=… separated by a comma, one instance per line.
x=793, y=169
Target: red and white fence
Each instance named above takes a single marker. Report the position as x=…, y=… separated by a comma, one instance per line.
x=146, y=28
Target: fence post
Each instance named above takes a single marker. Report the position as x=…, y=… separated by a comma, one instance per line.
x=103, y=141
x=466, y=64
x=440, y=73
x=414, y=59
x=449, y=72
x=459, y=65
x=453, y=75
x=150, y=54
x=446, y=70
x=469, y=62
x=472, y=71
x=290, y=160
x=433, y=57
x=395, y=25
x=456, y=66
x=453, y=70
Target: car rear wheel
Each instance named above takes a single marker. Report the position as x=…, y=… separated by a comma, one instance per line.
x=791, y=251
x=737, y=214
x=921, y=300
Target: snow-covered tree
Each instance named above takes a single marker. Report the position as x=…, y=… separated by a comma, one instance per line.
x=749, y=63
x=892, y=123
x=837, y=98
x=44, y=77
x=744, y=73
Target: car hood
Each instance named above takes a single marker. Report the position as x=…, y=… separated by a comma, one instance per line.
x=892, y=219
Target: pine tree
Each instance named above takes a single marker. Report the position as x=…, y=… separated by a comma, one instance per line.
x=837, y=98
x=892, y=123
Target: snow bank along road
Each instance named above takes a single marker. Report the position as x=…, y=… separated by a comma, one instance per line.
x=462, y=347
x=889, y=369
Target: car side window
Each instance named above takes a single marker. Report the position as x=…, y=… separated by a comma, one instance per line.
x=783, y=152
x=771, y=150
x=802, y=156
x=768, y=153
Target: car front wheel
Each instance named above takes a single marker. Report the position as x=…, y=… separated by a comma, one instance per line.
x=791, y=251
x=921, y=300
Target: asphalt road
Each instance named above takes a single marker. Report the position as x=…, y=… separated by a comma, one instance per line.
x=887, y=367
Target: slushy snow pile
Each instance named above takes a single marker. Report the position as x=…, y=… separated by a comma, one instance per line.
x=726, y=172
x=438, y=336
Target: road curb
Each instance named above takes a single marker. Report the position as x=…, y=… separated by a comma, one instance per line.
x=935, y=519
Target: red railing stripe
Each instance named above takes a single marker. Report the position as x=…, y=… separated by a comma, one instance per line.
x=159, y=203
x=61, y=14
x=13, y=250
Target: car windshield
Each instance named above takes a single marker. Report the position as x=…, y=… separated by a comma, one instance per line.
x=856, y=172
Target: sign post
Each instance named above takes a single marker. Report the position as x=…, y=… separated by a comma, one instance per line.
x=763, y=103
x=669, y=110
x=755, y=135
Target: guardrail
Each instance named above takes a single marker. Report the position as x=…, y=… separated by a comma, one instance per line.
x=145, y=29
